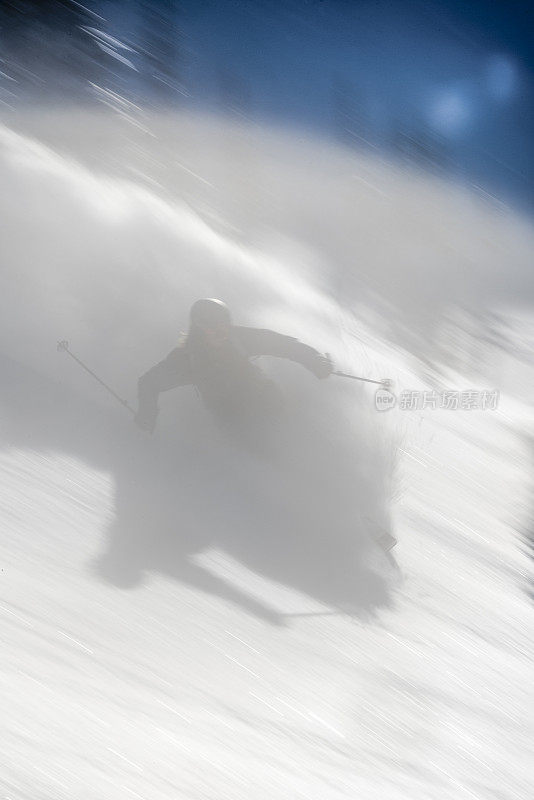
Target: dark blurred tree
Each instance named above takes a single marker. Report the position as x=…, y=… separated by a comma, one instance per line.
x=59, y=47
x=43, y=48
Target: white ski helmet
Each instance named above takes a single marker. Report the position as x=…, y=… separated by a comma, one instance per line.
x=209, y=312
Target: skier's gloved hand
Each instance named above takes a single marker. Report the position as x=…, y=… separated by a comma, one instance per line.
x=146, y=419
x=321, y=366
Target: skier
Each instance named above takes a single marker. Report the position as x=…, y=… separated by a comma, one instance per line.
x=215, y=357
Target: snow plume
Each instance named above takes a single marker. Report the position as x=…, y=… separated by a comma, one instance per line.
x=266, y=648
x=110, y=234
x=113, y=265
x=108, y=228
x=118, y=265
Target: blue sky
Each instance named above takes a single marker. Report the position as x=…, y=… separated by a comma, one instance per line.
x=464, y=76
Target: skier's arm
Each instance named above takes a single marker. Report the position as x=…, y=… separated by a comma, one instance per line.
x=173, y=371
x=263, y=342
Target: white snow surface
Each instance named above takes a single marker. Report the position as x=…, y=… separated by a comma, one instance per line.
x=181, y=619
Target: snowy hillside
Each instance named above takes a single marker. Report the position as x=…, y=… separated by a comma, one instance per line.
x=180, y=619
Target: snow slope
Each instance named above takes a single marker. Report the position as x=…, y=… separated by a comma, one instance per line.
x=180, y=619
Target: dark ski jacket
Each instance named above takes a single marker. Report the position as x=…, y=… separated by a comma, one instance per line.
x=228, y=382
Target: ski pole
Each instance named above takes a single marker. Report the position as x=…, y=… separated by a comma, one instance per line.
x=384, y=382
x=63, y=347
